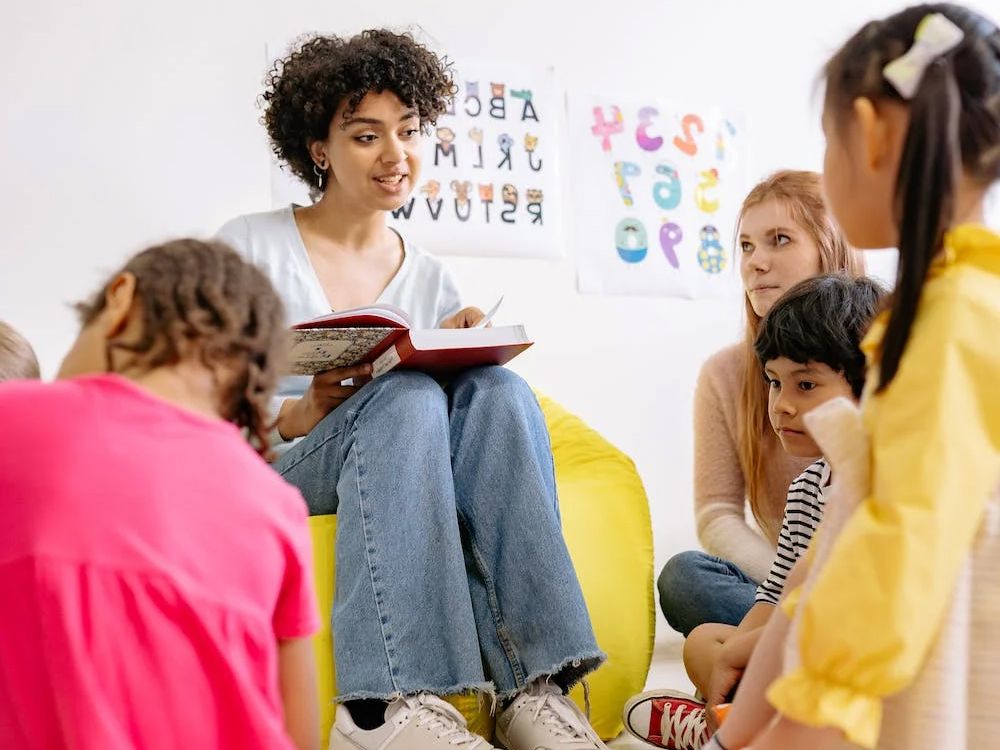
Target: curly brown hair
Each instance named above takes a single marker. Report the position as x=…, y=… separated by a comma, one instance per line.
x=303, y=90
x=202, y=297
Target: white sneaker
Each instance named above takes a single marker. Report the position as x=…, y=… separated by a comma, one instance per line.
x=542, y=718
x=418, y=722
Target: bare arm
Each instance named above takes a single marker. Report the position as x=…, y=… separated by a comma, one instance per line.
x=297, y=416
x=732, y=658
x=751, y=712
x=756, y=618
x=297, y=682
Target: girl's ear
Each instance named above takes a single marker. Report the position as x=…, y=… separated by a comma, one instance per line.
x=118, y=301
x=872, y=132
x=882, y=131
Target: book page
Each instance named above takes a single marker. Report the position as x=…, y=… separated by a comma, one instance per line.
x=377, y=315
x=467, y=338
x=317, y=349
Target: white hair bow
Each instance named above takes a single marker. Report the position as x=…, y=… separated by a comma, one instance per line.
x=935, y=36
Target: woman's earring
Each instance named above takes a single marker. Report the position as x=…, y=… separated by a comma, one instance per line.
x=321, y=173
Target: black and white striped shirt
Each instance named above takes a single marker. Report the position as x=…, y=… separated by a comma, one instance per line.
x=803, y=512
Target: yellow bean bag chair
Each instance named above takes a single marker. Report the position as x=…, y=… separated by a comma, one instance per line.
x=607, y=528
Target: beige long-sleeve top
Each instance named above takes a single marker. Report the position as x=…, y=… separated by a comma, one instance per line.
x=719, y=487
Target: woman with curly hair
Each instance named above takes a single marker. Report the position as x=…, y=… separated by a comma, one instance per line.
x=452, y=573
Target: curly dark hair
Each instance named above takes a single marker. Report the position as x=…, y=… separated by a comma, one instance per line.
x=203, y=297
x=303, y=90
x=822, y=319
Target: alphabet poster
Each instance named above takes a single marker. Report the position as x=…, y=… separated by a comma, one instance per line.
x=489, y=185
x=656, y=189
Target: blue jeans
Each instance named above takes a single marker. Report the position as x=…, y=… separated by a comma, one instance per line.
x=452, y=571
x=696, y=588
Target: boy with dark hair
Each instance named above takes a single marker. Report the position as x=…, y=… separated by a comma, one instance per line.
x=809, y=351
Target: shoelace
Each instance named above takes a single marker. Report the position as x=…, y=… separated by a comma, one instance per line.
x=566, y=722
x=435, y=714
x=685, y=729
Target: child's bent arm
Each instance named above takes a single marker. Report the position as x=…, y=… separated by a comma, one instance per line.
x=751, y=712
x=728, y=670
x=715, y=655
x=756, y=618
x=701, y=651
x=297, y=681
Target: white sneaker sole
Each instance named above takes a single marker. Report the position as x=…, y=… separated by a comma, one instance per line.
x=499, y=741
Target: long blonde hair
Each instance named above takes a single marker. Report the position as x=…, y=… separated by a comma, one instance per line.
x=802, y=193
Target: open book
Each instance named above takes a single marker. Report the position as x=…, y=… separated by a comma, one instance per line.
x=382, y=335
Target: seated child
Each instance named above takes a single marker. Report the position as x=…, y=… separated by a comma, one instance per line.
x=159, y=572
x=17, y=358
x=809, y=351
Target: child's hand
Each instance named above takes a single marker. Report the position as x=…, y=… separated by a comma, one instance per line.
x=324, y=394
x=724, y=679
x=727, y=671
x=464, y=318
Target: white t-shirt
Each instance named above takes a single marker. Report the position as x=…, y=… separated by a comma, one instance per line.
x=422, y=286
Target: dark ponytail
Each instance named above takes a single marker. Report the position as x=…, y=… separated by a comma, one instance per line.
x=924, y=202
x=954, y=131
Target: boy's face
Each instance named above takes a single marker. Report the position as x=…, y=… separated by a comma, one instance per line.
x=795, y=389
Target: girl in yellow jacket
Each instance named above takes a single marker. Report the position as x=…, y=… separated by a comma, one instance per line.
x=902, y=617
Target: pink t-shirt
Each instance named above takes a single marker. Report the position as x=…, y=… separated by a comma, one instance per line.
x=149, y=563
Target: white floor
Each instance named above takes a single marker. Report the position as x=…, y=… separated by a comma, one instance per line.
x=667, y=671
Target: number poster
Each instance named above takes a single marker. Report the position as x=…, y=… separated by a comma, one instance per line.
x=655, y=193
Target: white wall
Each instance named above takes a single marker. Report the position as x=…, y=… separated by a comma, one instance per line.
x=124, y=123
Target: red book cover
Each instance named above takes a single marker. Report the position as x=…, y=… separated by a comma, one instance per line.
x=450, y=350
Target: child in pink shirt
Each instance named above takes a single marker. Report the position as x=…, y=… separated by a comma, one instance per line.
x=156, y=571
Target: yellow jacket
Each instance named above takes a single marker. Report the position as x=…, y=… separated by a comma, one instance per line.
x=878, y=602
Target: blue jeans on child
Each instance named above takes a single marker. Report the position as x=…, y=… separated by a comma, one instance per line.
x=452, y=572
x=696, y=588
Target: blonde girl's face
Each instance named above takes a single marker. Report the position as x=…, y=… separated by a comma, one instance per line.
x=776, y=253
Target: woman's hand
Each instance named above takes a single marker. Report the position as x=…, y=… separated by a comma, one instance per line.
x=325, y=393
x=465, y=318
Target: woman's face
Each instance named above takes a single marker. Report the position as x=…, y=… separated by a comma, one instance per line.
x=374, y=154
x=775, y=253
